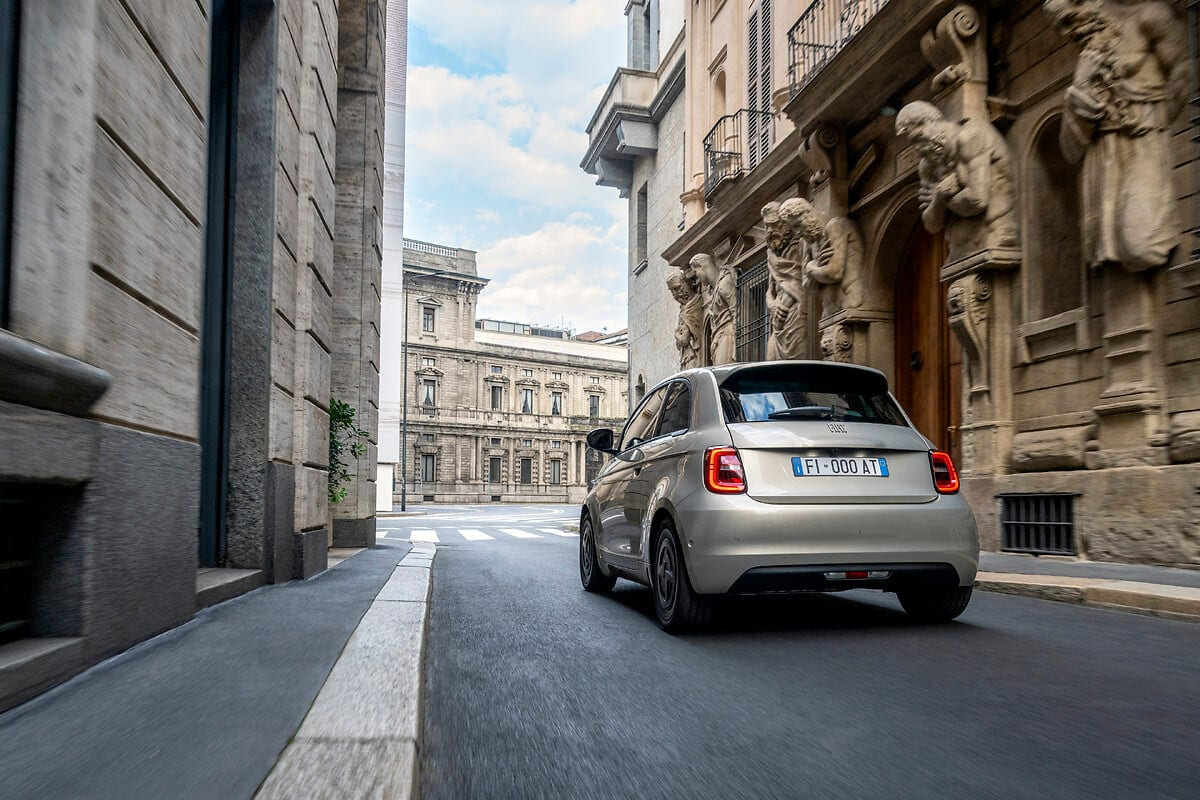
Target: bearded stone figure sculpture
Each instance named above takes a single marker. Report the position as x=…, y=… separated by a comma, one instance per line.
x=785, y=286
x=689, y=331
x=1130, y=83
x=966, y=180
x=839, y=254
x=718, y=289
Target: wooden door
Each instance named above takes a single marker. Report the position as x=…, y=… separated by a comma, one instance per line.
x=928, y=357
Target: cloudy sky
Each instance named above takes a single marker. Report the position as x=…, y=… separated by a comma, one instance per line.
x=499, y=94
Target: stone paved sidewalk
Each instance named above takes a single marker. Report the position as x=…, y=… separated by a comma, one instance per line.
x=203, y=710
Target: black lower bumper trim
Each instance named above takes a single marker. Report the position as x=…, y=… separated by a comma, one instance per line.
x=811, y=578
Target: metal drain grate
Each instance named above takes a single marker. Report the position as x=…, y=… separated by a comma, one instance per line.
x=1042, y=524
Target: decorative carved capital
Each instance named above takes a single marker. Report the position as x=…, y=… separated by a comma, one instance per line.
x=968, y=308
x=823, y=152
x=837, y=344
x=955, y=48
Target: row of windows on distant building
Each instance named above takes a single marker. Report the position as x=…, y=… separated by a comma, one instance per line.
x=429, y=390
x=554, y=474
x=430, y=362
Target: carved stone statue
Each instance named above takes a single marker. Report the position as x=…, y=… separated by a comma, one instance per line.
x=1130, y=83
x=785, y=286
x=966, y=180
x=718, y=289
x=689, y=332
x=840, y=254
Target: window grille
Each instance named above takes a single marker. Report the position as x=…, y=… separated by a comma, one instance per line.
x=753, y=324
x=1041, y=524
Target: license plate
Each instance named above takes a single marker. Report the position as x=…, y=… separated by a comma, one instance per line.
x=852, y=467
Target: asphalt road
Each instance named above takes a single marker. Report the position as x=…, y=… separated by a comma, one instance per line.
x=535, y=689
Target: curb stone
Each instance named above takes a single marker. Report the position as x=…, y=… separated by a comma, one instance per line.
x=1177, y=602
x=362, y=734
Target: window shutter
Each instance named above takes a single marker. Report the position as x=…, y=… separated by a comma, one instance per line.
x=752, y=91
x=759, y=129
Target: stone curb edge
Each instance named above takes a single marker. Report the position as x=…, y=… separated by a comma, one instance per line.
x=1175, y=602
x=362, y=735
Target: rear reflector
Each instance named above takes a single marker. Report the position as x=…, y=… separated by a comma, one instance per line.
x=723, y=472
x=945, y=476
x=858, y=575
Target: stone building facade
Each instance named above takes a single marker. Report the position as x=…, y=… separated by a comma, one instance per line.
x=636, y=146
x=995, y=203
x=497, y=411
x=189, y=268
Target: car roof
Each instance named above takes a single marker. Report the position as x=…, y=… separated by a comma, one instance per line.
x=725, y=371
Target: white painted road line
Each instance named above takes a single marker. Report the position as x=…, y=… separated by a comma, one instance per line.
x=519, y=534
x=556, y=532
x=472, y=535
x=423, y=535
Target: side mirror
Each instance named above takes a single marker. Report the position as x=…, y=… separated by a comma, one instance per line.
x=601, y=440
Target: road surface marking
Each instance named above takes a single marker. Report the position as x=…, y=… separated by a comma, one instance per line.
x=555, y=532
x=472, y=535
x=520, y=534
x=423, y=535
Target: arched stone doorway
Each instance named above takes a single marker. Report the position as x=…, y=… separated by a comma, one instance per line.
x=928, y=365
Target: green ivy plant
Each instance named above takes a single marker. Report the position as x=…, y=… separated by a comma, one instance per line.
x=346, y=441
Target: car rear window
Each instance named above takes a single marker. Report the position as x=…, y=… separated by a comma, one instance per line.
x=808, y=392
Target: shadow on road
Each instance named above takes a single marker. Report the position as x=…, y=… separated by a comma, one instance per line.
x=798, y=612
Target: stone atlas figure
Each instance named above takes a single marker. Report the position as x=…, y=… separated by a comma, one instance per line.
x=718, y=288
x=785, y=285
x=1130, y=83
x=966, y=180
x=689, y=331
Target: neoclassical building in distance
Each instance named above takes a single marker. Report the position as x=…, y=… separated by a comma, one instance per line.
x=497, y=411
x=994, y=203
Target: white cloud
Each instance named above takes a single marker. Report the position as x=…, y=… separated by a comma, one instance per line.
x=560, y=274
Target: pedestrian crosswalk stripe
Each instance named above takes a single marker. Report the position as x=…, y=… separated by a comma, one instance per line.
x=472, y=535
x=557, y=532
x=520, y=534
x=423, y=535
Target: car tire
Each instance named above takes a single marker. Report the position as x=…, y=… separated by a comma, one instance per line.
x=676, y=605
x=590, y=575
x=936, y=605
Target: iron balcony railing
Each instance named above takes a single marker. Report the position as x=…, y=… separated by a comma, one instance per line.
x=736, y=145
x=820, y=34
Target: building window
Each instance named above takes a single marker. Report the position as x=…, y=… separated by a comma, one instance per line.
x=759, y=130
x=527, y=401
x=556, y=403
x=556, y=376
x=641, y=253
x=496, y=442
x=9, y=18
x=555, y=471
x=427, y=319
x=1055, y=274
x=497, y=369
x=527, y=373
x=527, y=443
x=593, y=405
x=526, y=470
x=494, y=469
x=427, y=437
x=555, y=444
x=592, y=462
x=595, y=379
x=497, y=398
x=428, y=362
x=753, y=323
x=428, y=467
x=429, y=393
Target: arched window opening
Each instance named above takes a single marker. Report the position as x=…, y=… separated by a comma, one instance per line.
x=1054, y=266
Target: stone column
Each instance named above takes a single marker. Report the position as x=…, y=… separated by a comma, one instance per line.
x=358, y=249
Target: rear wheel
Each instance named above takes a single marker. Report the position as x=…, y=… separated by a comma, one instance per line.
x=936, y=605
x=590, y=576
x=676, y=605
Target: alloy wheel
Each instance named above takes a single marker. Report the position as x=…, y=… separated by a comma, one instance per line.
x=666, y=572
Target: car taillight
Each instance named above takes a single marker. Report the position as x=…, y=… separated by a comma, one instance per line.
x=723, y=472
x=945, y=476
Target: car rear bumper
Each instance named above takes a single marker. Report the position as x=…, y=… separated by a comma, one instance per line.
x=734, y=540
x=840, y=577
